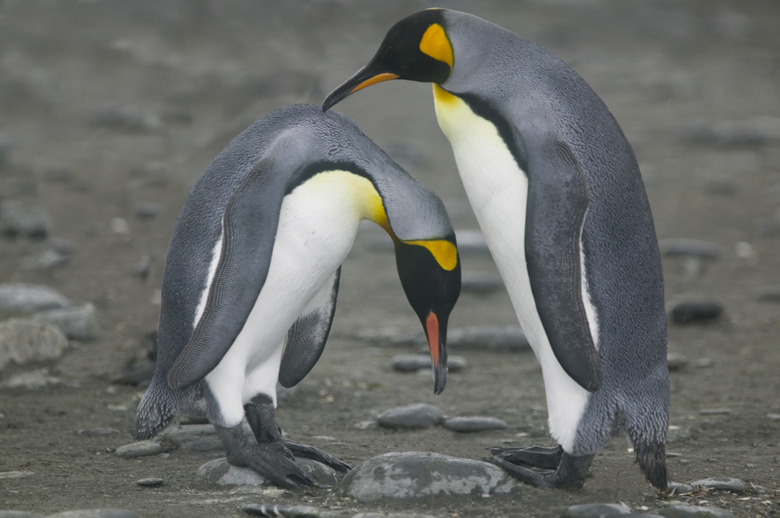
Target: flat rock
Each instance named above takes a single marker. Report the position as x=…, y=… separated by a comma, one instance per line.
x=726, y=484
x=29, y=298
x=686, y=310
x=417, y=362
x=279, y=511
x=415, y=416
x=676, y=361
x=96, y=513
x=78, y=323
x=689, y=247
x=414, y=475
x=595, y=510
x=193, y=437
x=694, y=511
x=485, y=337
x=17, y=219
x=19, y=514
x=32, y=380
x=139, y=449
x=219, y=472
x=678, y=488
x=394, y=336
x=150, y=482
x=25, y=340
x=473, y=424
x=769, y=294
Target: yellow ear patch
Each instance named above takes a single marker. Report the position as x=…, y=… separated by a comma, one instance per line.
x=443, y=251
x=435, y=44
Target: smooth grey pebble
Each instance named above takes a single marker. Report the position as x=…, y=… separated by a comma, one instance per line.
x=689, y=247
x=219, y=472
x=686, y=310
x=491, y=338
x=471, y=240
x=146, y=209
x=415, y=416
x=727, y=483
x=150, y=482
x=417, y=362
x=78, y=322
x=96, y=513
x=694, y=511
x=23, y=220
x=769, y=294
x=415, y=475
x=679, y=488
x=29, y=298
x=676, y=361
x=473, y=424
x=139, y=449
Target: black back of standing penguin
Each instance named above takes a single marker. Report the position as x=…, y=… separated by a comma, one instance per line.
x=557, y=192
x=251, y=277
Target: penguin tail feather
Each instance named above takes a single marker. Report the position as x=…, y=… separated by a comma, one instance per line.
x=652, y=462
x=155, y=410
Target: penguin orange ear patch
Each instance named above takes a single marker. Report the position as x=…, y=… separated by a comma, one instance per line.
x=445, y=253
x=435, y=44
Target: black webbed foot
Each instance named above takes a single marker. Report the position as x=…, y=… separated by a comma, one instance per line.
x=271, y=460
x=547, y=468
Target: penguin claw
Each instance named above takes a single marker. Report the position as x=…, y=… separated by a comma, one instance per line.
x=310, y=452
x=274, y=462
x=548, y=468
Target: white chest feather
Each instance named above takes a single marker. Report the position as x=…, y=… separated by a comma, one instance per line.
x=317, y=226
x=498, y=192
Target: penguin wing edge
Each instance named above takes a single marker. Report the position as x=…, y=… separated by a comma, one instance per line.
x=557, y=205
x=307, y=336
x=248, y=233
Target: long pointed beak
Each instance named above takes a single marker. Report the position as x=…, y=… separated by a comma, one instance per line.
x=362, y=78
x=438, y=348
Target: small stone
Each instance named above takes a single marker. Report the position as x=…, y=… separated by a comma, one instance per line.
x=689, y=247
x=734, y=485
x=78, y=323
x=195, y=437
x=416, y=416
x=415, y=475
x=96, y=513
x=494, y=338
x=24, y=340
x=676, y=361
x=703, y=363
x=694, y=309
x=281, y=511
x=769, y=294
x=150, y=482
x=19, y=514
x=46, y=260
x=595, y=510
x=417, y=362
x=694, y=511
x=22, y=220
x=751, y=131
x=773, y=417
x=391, y=336
x=32, y=380
x=29, y=298
x=473, y=424
x=139, y=449
x=146, y=210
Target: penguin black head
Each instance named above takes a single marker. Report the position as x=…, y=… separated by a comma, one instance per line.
x=416, y=48
x=430, y=275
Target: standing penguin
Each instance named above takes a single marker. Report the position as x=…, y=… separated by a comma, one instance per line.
x=557, y=192
x=252, y=273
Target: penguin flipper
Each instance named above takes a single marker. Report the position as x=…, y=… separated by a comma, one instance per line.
x=248, y=232
x=307, y=336
x=557, y=204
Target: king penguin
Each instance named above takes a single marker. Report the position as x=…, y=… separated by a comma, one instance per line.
x=557, y=192
x=252, y=273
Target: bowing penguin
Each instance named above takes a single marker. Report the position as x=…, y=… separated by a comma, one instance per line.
x=557, y=192
x=252, y=273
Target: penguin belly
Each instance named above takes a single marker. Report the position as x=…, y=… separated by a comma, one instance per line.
x=315, y=233
x=498, y=191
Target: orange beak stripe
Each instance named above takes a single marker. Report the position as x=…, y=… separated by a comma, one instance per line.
x=379, y=78
x=432, y=328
